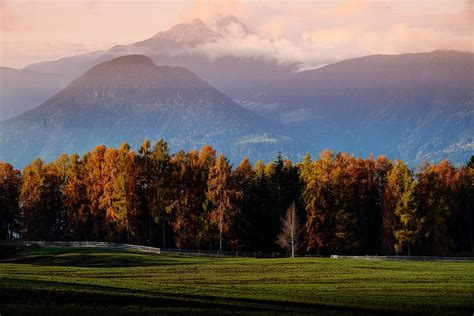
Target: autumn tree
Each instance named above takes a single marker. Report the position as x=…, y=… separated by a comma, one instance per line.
x=10, y=182
x=344, y=188
x=79, y=221
x=159, y=195
x=470, y=162
x=289, y=237
x=339, y=200
x=463, y=228
x=245, y=179
x=317, y=197
x=94, y=183
x=437, y=198
x=41, y=201
x=59, y=168
x=189, y=210
x=118, y=197
x=382, y=167
x=401, y=221
x=223, y=195
x=305, y=168
x=145, y=179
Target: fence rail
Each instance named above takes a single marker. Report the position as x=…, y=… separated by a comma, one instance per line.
x=207, y=253
x=404, y=258
x=80, y=244
x=110, y=245
x=204, y=253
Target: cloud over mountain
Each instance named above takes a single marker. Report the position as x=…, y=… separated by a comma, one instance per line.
x=361, y=27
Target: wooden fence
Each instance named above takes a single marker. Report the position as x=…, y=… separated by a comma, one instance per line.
x=403, y=258
x=79, y=244
x=204, y=253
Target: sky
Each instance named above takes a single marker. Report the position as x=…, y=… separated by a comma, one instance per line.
x=314, y=32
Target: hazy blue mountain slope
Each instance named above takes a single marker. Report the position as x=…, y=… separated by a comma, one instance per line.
x=239, y=77
x=21, y=90
x=410, y=106
x=128, y=99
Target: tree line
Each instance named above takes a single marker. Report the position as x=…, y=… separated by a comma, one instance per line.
x=337, y=203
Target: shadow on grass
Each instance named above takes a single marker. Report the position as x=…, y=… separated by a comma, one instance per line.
x=9, y=252
x=18, y=292
x=95, y=258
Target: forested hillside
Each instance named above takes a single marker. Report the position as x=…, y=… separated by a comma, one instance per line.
x=196, y=199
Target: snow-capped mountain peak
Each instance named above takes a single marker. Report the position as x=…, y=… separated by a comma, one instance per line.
x=191, y=34
x=229, y=25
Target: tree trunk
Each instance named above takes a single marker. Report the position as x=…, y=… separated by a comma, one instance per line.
x=292, y=234
x=164, y=232
x=149, y=229
x=469, y=223
x=220, y=229
x=128, y=233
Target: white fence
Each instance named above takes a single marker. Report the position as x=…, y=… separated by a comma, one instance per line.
x=207, y=253
x=203, y=253
x=403, y=258
x=80, y=244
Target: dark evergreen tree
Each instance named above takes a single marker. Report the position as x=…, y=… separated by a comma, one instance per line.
x=10, y=182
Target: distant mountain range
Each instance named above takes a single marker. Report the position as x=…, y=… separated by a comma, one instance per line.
x=186, y=45
x=409, y=106
x=130, y=99
x=21, y=90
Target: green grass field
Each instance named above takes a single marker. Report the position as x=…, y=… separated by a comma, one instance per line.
x=97, y=281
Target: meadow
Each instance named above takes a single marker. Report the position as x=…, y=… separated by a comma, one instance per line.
x=56, y=281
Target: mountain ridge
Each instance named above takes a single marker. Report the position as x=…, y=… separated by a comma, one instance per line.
x=239, y=77
x=413, y=106
x=381, y=104
x=129, y=99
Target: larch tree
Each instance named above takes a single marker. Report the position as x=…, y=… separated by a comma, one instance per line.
x=59, y=171
x=289, y=237
x=145, y=190
x=381, y=169
x=464, y=219
x=344, y=186
x=94, y=182
x=75, y=201
x=110, y=197
x=160, y=192
x=206, y=161
x=401, y=221
x=118, y=199
x=189, y=193
x=180, y=208
x=41, y=201
x=437, y=198
x=126, y=184
x=470, y=162
x=223, y=196
x=316, y=197
x=305, y=168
